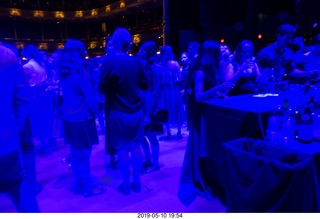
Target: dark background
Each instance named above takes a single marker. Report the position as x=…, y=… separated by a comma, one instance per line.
x=173, y=22
x=235, y=20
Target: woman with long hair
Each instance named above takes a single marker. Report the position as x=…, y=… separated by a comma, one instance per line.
x=79, y=110
x=209, y=82
x=243, y=70
x=170, y=94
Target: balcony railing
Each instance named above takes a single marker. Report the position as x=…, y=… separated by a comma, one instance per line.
x=78, y=13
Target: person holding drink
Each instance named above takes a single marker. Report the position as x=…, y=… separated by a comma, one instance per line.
x=243, y=71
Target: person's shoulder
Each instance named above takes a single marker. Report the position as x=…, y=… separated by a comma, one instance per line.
x=106, y=58
x=267, y=52
x=288, y=51
x=134, y=59
x=266, y=49
x=28, y=67
x=173, y=64
x=107, y=61
x=231, y=65
x=28, y=63
x=32, y=63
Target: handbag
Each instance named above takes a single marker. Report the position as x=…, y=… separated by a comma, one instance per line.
x=157, y=121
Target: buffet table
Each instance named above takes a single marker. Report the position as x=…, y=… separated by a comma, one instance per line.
x=210, y=167
x=265, y=177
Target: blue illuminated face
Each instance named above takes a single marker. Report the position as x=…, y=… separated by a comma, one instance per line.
x=225, y=51
x=184, y=58
x=247, y=52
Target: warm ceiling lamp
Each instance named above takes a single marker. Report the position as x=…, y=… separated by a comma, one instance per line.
x=15, y=12
x=94, y=12
x=38, y=14
x=93, y=45
x=43, y=46
x=59, y=14
x=108, y=8
x=122, y=4
x=136, y=38
x=104, y=27
x=78, y=14
x=60, y=46
x=20, y=45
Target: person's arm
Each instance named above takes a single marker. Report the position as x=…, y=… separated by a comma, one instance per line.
x=104, y=79
x=257, y=71
x=177, y=70
x=156, y=81
x=296, y=72
x=144, y=81
x=90, y=96
x=215, y=91
x=29, y=73
x=302, y=73
x=244, y=69
x=230, y=75
x=300, y=76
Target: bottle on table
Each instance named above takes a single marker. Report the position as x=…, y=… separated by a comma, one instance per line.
x=275, y=121
x=305, y=127
x=288, y=128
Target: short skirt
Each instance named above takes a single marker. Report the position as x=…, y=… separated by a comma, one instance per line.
x=124, y=129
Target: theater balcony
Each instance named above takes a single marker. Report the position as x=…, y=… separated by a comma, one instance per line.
x=49, y=23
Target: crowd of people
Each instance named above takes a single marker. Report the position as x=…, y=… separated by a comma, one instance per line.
x=66, y=95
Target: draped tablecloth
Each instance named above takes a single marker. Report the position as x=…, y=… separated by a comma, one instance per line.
x=266, y=177
x=205, y=166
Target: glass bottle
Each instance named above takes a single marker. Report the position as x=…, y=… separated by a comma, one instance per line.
x=305, y=127
x=274, y=125
x=288, y=129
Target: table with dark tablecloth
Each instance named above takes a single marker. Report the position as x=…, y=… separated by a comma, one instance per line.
x=266, y=177
x=207, y=161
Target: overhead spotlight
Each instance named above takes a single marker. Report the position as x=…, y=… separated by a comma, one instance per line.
x=259, y=36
